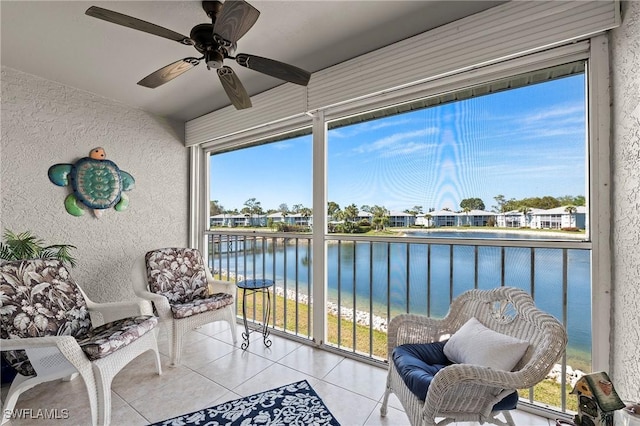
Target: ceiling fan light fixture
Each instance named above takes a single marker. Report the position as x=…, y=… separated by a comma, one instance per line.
x=214, y=59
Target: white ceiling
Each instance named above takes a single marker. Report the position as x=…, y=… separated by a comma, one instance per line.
x=57, y=41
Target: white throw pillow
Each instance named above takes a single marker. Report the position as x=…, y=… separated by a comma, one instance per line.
x=476, y=344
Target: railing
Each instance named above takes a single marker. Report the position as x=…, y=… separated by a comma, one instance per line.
x=371, y=279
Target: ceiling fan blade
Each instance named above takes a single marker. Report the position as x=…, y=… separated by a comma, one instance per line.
x=275, y=69
x=137, y=24
x=168, y=73
x=236, y=18
x=234, y=88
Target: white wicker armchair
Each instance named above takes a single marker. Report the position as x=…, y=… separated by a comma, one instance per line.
x=184, y=293
x=51, y=330
x=466, y=392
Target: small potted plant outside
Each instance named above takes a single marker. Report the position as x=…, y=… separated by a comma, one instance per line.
x=25, y=245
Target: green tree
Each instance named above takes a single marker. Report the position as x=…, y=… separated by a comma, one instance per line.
x=466, y=211
x=525, y=212
x=380, y=217
x=472, y=204
x=306, y=212
x=365, y=208
x=284, y=209
x=332, y=209
x=349, y=215
x=504, y=205
x=351, y=212
x=215, y=208
x=296, y=208
x=571, y=209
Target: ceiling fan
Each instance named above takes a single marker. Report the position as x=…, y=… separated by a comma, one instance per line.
x=216, y=42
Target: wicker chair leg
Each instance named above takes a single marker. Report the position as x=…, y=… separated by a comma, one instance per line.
x=103, y=386
x=90, y=384
x=178, y=334
x=232, y=323
x=385, y=398
x=170, y=329
x=508, y=418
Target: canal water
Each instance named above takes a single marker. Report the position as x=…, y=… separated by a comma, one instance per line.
x=400, y=276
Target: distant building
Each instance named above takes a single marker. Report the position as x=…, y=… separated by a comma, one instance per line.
x=401, y=219
x=559, y=218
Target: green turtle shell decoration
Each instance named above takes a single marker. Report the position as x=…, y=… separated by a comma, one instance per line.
x=97, y=183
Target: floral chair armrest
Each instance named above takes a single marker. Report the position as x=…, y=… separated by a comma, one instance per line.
x=219, y=286
x=67, y=345
x=160, y=302
x=102, y=313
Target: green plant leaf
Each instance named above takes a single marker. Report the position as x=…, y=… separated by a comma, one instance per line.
x=25, y=245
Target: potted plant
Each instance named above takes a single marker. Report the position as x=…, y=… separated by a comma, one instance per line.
x=25, y=245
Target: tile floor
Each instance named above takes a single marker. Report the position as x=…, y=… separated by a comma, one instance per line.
x=214, y=370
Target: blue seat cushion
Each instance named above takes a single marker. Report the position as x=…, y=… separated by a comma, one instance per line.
x=418, y=363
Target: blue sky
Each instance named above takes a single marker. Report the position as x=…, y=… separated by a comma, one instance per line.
x=519, y=143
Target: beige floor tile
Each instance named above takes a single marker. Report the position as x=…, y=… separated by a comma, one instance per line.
x=221, y=372
x=192, y=392
x=364, y=379
x=348, y=408
x=279, y=348
x=394, y=417
x=219, y=330
x=205, y=351
x=235, y=368
x=188, y=339
x=394, y=402
x=139, y=376
x=311, y=361
x=272, y=377
x=126, y=415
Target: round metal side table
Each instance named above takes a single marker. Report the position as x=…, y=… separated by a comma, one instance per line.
x=250, y=287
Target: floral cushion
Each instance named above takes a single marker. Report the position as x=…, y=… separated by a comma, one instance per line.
x=216, y=301
x=39, y=298
x=177, y=273
x=110, y=337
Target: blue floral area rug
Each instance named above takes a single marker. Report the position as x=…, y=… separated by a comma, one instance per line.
x=293, y=404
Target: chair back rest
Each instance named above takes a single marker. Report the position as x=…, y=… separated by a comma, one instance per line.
x=511, y=311
x=177, y=273
x=39, y=298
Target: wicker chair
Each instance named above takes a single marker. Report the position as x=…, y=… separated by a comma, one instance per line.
x=51, y=330
x=184, y=293
x=466, y=392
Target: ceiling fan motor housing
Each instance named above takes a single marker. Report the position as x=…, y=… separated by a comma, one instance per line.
x=214, y=59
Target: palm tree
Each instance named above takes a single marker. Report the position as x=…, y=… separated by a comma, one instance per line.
x=466, y=212
x=571, y=209
x=380, y=217
x=332, y=209
x=525, y=212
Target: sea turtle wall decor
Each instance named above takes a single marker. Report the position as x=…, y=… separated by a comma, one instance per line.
x=96, y=183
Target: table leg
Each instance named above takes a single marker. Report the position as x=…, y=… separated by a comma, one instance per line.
x=265, y=322
x=245, y=335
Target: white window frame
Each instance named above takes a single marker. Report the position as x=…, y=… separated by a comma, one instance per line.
x=594, y=50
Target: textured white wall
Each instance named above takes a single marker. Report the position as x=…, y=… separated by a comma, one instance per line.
x=45, y=123
x=625, y=71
